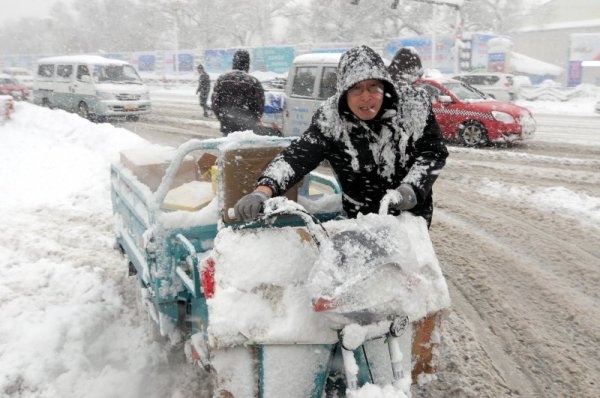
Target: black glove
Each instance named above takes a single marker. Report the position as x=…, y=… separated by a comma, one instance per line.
x=249, y=206
x=407, y=199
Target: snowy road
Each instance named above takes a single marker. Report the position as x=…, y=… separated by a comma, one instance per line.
x=523, y=263
x=517, y=233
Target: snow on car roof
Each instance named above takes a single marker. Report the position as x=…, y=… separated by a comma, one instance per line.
x=312, y=58
x=89, y=59
x=12, y=69
x=439, y=79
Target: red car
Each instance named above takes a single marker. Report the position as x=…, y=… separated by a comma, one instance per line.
x=472, y=118
x=10, y=86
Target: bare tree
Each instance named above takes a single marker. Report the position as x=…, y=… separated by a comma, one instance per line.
x=127, y=25
x=497, y=16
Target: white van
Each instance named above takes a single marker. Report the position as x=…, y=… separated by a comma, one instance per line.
x=311, y=80
x=92, y=86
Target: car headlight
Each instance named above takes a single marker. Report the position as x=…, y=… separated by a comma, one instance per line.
x=103, y=95
x=503, y=117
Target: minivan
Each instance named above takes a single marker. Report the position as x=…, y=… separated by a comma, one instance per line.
x=311, y=80
x=92, y=86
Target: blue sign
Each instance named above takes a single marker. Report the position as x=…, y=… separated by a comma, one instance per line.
x=218, y=61
x=273, y=59
x=146, y=63
x=444, y=51
x=186, y=62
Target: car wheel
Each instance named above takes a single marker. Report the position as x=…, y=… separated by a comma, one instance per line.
x=83, y=111
x=473, y=134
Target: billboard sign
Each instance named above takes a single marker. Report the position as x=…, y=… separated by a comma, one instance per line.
x=444, y=51
x=273, y=59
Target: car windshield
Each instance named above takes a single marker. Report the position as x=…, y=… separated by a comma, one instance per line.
x=119, y=74
x=464, y=92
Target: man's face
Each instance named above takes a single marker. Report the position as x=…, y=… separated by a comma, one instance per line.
x=365, y=98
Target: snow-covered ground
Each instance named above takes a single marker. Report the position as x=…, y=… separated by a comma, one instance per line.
x=70, y=326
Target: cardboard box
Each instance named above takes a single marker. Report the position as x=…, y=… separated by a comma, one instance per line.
x=206, y=162
x=190, y=196
x=241, y=168
x=150, y=163
x=424, y=344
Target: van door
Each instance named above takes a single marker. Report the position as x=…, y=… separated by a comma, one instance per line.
x=63, y=87
x=302, y=96
x=83, y=87
x=43, y=85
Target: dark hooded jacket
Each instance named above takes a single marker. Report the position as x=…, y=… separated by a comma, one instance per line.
x=238, y=98
x=203, y=85
x=405, y=69
x=368, y=157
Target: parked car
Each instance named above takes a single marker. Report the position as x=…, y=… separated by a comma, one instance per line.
x=468, y=116
x=22, y=75
x=10, y=86
x=500, y=86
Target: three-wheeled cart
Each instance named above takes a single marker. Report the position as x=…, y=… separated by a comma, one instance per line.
x=235, y=296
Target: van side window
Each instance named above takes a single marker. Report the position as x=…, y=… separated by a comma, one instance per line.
x=82, y=70
x=64, y=72
x=304, y=81
x=328, y=83
x=45, y=70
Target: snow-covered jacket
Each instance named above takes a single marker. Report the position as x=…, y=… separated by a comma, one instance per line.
x=368, y=157
x=238, y=98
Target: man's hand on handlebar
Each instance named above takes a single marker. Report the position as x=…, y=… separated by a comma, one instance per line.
x=401, y=198
x=249, y=207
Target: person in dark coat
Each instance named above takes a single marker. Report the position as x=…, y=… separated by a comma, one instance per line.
x=360, y=131
x=405, y=69
x=406, y=66
x=203, y=88
x=238, y=98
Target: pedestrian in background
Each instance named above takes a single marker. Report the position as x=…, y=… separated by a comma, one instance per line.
x=415, y=105
x=203, y=88
x=238, y=99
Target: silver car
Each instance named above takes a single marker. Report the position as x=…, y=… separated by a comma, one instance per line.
x=500, y=86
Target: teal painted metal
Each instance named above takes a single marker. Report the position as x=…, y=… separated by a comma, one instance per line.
x=168, y=258
x=364, y=374
x=321, y=375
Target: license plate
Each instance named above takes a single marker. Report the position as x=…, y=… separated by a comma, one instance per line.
x=130, y=107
